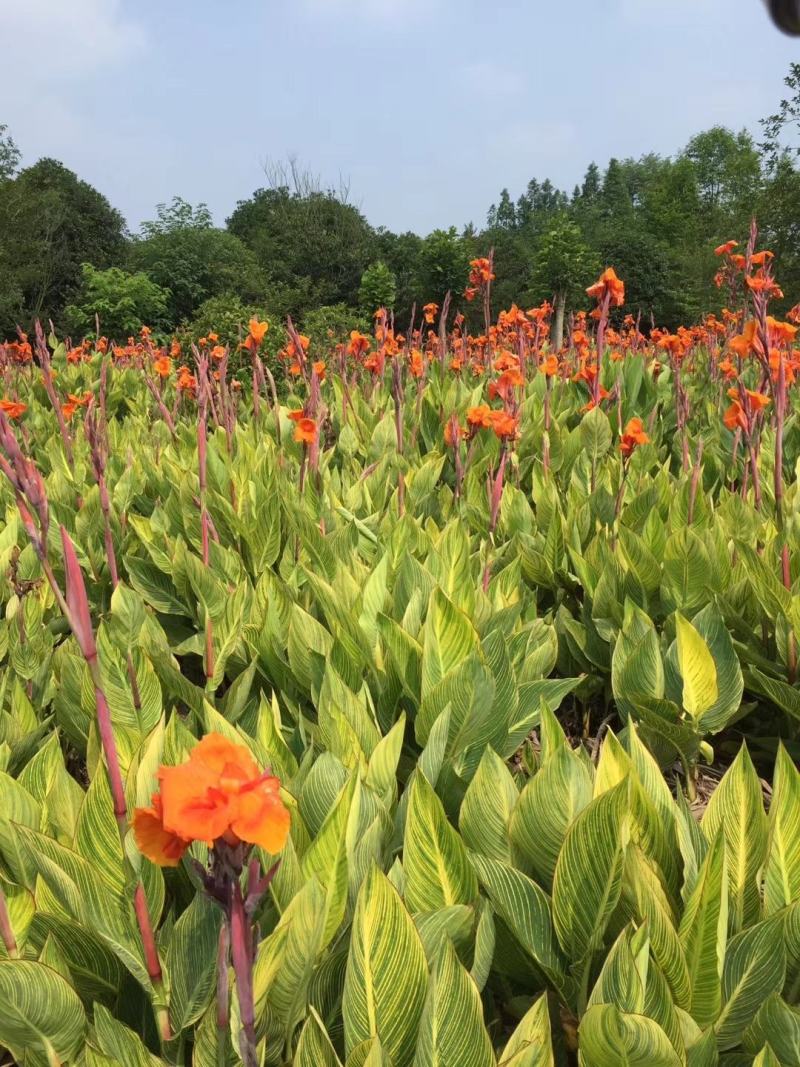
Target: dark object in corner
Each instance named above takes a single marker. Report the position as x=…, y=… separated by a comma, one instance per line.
x=786, y=14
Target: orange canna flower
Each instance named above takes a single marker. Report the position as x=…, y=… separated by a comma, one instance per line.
x=416, y=364
x=735, y=416
x=257, y=331
x=503, y=424
x=453, y=431
x=305, y=431
x=218, y=793
x=163, y=366
x=726, y=249
x=152, y=837
x=319, y=369
x=480, y=417
x=297, y=415
x=218, y=352
x=429, y=311
x=13, y=409
x=550, y=366
x=632, y=436
x=758, y=259
x=608, y=284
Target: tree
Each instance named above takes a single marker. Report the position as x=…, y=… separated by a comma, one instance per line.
x=51, y=223
x=9, y=154
x=181, y=250
x=312, y=245
x=785, y=120
x=444, y=265
x=378, y=288
x=564, y=265
x=123, y=303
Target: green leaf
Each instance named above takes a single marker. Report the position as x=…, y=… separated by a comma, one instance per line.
x=697, y=668
x=703, y=935
x=737, y=809
x=452, y=1033
x=120, y=1043
x=588, y=875
x=438, y=871
x=191, y=962
x=611, y=1038
x=315, y=1049
x=547, y=807
x=755, y=967
x=449, y=637
x=525, y=909
x=41, y=1013
x=782, y=868
x=487, y=806
x=531, y=1044
x=386, y=978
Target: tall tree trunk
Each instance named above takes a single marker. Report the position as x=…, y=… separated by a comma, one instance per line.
x=557, y=327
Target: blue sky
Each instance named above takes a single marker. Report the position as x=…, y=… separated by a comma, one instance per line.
x=427, y=107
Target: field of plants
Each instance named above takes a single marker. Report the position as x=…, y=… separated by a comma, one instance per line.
x=422, y=699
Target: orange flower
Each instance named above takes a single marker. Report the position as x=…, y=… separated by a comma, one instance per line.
x=633, y=435
x=429, y=311
x=505, y=384
x=219, y=793
x=153, y=839
x=724, y=250
x=319, y=369
x=163, y=366
x=503, y=424
x=608, y=284
x=305, y=431
x=218, y=352
x=416, y=365
x=12, y=409
x=550, y=366
x=358, y=344
x=257, y=331
x=480, y=417
x=758, y=259
x=735, y=416
x=297, y=415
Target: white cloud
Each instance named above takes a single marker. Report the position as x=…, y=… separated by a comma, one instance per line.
x=65, y=39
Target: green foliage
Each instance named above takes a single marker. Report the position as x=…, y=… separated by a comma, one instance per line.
x=378, y=288
x=185, y=254
x=123, y=303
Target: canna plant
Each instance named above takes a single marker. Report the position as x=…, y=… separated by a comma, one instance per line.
x=483, y=620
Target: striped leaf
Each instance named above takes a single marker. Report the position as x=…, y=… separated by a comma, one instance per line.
x=525, y=909
x=315, y=1049
x=547, y=807
x=588, y=876
x=531, y=1043
x=120, y=1043
x=438, y=871
x=755, y=967
x=487, y=806
x=386, y=977
x=703, y=935
x=782, y=869
x=452, y=1033
x=191, y=961
x=697, y=668
x=448, y=639
x=648, y=901
x=41, y=1013
x=737, y=809
x=766, y=1058
x=611, y=1038
x=368, y=1054
x=779, y=1025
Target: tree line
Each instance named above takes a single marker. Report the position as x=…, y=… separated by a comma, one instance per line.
x=297, y=248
